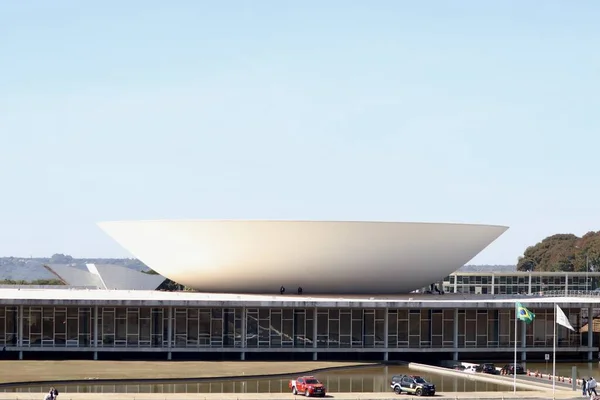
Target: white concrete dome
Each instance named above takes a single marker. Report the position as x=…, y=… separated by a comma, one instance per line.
x=238, y=256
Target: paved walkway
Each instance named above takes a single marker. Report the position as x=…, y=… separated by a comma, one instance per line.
x=284, y=396
x=546, y=381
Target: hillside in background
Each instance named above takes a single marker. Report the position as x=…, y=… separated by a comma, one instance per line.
x=18, y=269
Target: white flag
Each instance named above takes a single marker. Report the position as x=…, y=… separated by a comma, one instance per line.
x=562, y=319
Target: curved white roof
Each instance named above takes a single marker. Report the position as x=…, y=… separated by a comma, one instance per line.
x=320, y=257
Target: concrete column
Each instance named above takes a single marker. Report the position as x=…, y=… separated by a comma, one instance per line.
x=386, y=334
x=315, y=355
x=455, y=283
x=170, y=333
x=566, y=284
x=386, y=377
x=20, y=318
x=455, y=337
x=95, y=337
x=493, y=284
x=523, y=340
x=590, y=332
x=529, y=288
x=243, y=354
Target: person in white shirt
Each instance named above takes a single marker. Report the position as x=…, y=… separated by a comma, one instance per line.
x=591, y=386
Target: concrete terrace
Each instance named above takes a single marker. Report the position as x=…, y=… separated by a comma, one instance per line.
x=23, y=296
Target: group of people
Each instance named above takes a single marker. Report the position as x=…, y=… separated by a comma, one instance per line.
x=588, y=387
x=52, y=394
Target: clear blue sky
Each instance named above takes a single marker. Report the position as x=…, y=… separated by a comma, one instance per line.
x=463, y=111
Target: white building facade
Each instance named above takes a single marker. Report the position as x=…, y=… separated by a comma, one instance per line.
x=212, y=326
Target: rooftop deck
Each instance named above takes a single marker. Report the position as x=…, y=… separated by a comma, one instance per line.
x=21, y=296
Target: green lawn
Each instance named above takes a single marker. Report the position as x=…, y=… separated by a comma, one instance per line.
x=23, y=371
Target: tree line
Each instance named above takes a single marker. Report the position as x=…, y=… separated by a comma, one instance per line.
x=563, y=252
x=40, y=282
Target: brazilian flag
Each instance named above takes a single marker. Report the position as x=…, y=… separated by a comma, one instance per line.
x=524, y=314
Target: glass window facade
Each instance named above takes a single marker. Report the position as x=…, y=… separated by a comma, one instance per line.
x=9, y=326
x=278, y=328
x=583, y=282
x=56, y=326
x=520, y=282
x=474, y=284
x=350, y=328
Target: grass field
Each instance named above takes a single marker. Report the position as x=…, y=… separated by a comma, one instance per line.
x=24, y=371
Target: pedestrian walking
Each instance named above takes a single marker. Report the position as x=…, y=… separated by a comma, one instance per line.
x=592, y=386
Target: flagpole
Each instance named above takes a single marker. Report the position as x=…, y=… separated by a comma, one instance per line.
x=515, y=366
x=554, y=356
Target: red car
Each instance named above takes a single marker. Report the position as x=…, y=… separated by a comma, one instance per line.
x=308, y=386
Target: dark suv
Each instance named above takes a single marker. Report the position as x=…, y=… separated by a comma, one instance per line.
x=489, y=368
x=509, y=369
x=413, y=384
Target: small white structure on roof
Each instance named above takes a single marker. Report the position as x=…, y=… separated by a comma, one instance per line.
x=105, y=276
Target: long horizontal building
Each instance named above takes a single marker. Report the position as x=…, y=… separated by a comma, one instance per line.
x=204, y=325
x=291, y=290
x=520, y=282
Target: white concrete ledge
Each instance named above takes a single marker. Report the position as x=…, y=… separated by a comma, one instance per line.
x=498, y=380
x=143, y=298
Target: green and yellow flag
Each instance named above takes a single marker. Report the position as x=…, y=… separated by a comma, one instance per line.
x=524, y=314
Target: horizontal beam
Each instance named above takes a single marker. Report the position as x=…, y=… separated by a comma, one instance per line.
x=303, y=350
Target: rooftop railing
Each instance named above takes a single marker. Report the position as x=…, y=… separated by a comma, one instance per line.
x=570, y=293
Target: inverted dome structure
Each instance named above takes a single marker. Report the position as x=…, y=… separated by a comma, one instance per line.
x=247, y=256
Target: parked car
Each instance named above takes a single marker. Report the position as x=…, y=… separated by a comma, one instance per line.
x=489, y=368
x=307, y=385
x=471, y=369
x=412, y=384
x=509, y=369
x=458, y=367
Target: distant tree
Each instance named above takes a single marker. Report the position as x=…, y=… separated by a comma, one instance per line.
x=61, y=259
x=47, y=282
x=562, y=252
x=40, y=282
x=150, y=272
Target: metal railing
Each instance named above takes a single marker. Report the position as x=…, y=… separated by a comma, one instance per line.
x=570, y=293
